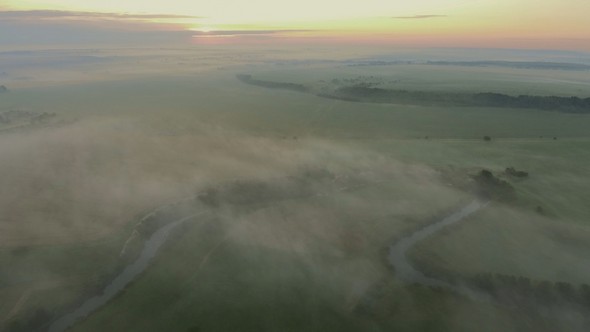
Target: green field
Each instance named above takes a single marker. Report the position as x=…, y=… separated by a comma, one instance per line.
x=296, y=260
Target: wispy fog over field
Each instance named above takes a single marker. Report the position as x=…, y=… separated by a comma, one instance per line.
x=185, y=171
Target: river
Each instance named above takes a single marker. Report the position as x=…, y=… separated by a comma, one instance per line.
x=403, y=267
x=397, y=258
x=131, y=272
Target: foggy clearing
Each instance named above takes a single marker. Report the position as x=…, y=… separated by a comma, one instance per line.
x=168, y=169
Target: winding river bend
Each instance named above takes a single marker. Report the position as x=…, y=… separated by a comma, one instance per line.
x=404, y=269
x=397, y=258
x=131, y=272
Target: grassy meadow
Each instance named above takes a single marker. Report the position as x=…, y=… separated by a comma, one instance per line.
x=74, y=189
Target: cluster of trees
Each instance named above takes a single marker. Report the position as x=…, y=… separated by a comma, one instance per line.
x=564, y=104
x=361, y=93
x=380, y=63
x=490, y=186
x=516, y=291
x=515, y=64
x=247, y=192
x=271, y=84
x=363, y=81
x=522, y=290
x=513, y=172
x=42, y=118
x=508, y=64
x=363, y=90
x=17, y=115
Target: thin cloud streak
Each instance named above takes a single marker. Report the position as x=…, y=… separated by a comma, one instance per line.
x=221, y=33
x=417, y=17
x=59, y=14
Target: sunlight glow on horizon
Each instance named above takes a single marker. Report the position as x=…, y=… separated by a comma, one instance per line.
x=376, y=19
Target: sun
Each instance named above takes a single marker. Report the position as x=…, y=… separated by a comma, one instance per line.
x=204, y=29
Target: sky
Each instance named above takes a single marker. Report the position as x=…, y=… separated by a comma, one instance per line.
x=546, y=24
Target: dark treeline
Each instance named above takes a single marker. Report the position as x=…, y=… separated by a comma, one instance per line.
x=515, y=173
x=491, y=63
x=514, y=291
x=524, y=292
x=272, y=85
x=368, y=94
x=441, y=98
x=530, y=296
x=15, y=115
x=490, y=186
x=515, y=64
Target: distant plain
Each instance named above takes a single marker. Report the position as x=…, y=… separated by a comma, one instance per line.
x=132, y=132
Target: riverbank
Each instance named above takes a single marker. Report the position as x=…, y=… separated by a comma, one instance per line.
x=119, y=283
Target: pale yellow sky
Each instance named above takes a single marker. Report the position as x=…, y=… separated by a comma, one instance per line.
x=240, y=11
x=533, y=19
